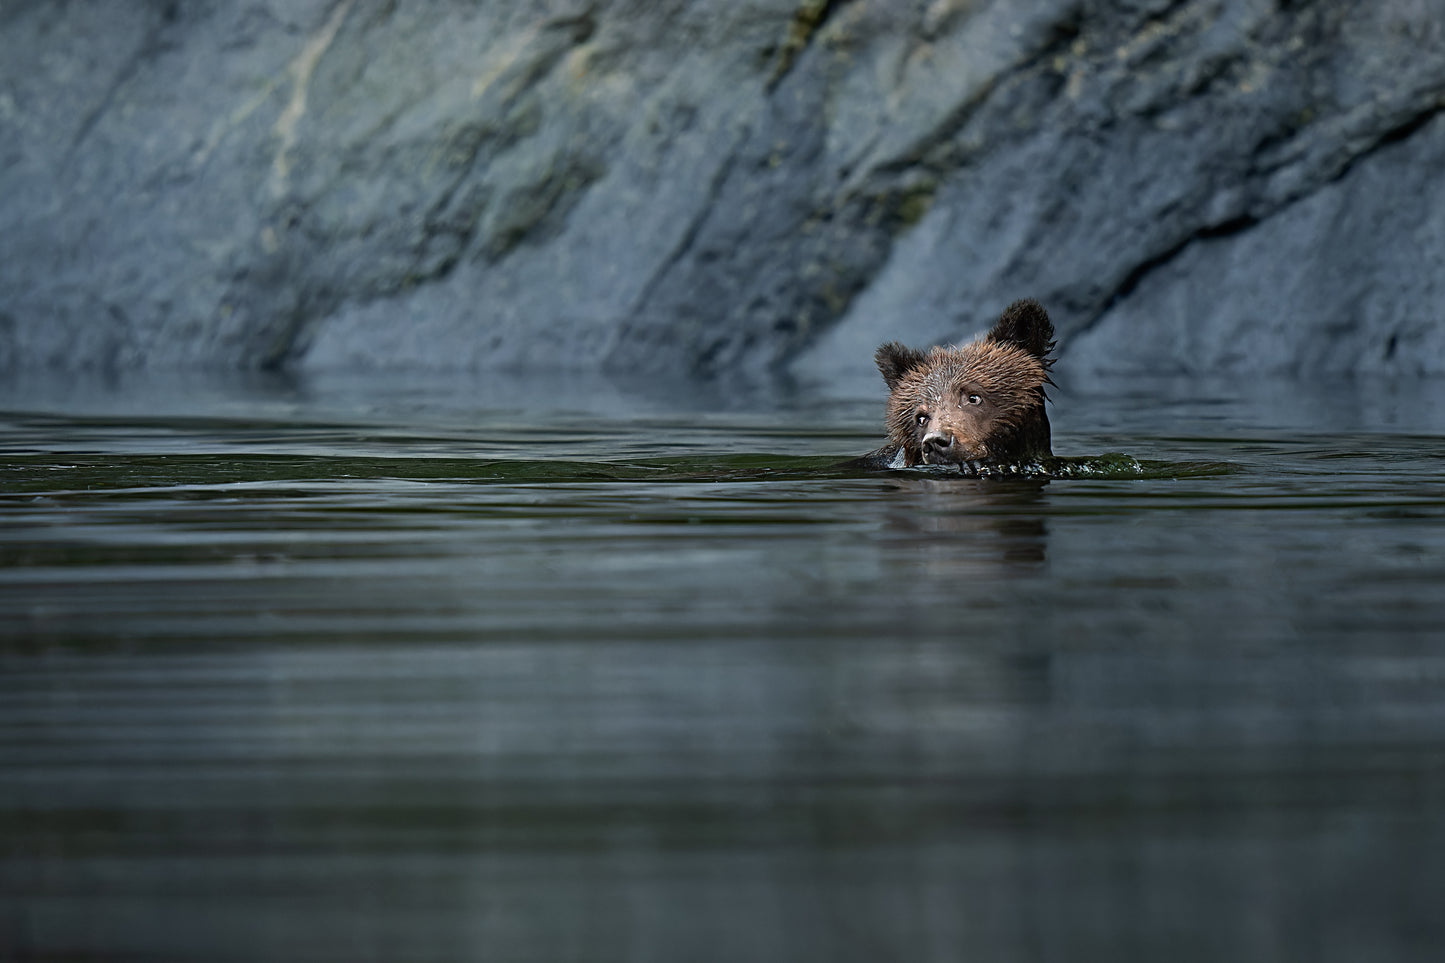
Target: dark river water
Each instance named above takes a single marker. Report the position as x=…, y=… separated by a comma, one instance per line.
x=448, y=671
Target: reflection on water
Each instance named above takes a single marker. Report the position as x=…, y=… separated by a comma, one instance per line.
x=1004, y=522
x=291, y=675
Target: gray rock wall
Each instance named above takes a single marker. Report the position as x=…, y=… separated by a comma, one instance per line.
x=1196, y=185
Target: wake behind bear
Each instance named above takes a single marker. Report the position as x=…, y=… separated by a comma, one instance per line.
x=979, y=407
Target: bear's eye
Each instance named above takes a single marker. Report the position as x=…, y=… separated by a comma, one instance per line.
x=974, y=399
x=921, y=418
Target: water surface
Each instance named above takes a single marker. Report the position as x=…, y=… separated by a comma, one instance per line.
x=411, y=670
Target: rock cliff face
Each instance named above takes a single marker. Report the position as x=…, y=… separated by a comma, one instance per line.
x=719, y=185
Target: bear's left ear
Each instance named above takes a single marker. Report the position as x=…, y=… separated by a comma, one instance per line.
x=896, y=360
x=1026, y=324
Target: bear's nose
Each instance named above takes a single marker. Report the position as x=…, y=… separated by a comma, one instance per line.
x=938, y=441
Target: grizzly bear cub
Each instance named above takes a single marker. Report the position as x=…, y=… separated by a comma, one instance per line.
x=974, y=406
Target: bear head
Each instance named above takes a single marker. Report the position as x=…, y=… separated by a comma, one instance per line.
x=980, y=403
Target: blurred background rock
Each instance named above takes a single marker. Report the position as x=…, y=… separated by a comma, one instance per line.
x=718, y=186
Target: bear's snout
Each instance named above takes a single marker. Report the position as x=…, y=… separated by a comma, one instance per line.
x=938, y=444
x=943, y=446
x=946, y=444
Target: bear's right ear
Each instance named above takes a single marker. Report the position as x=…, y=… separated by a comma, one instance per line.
x=1026, y=324
x=895, y=360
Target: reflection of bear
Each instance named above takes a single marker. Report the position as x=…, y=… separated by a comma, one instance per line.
x=1002, y=525
x=981, y=404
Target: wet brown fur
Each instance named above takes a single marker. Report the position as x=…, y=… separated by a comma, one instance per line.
x=1006, y=371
